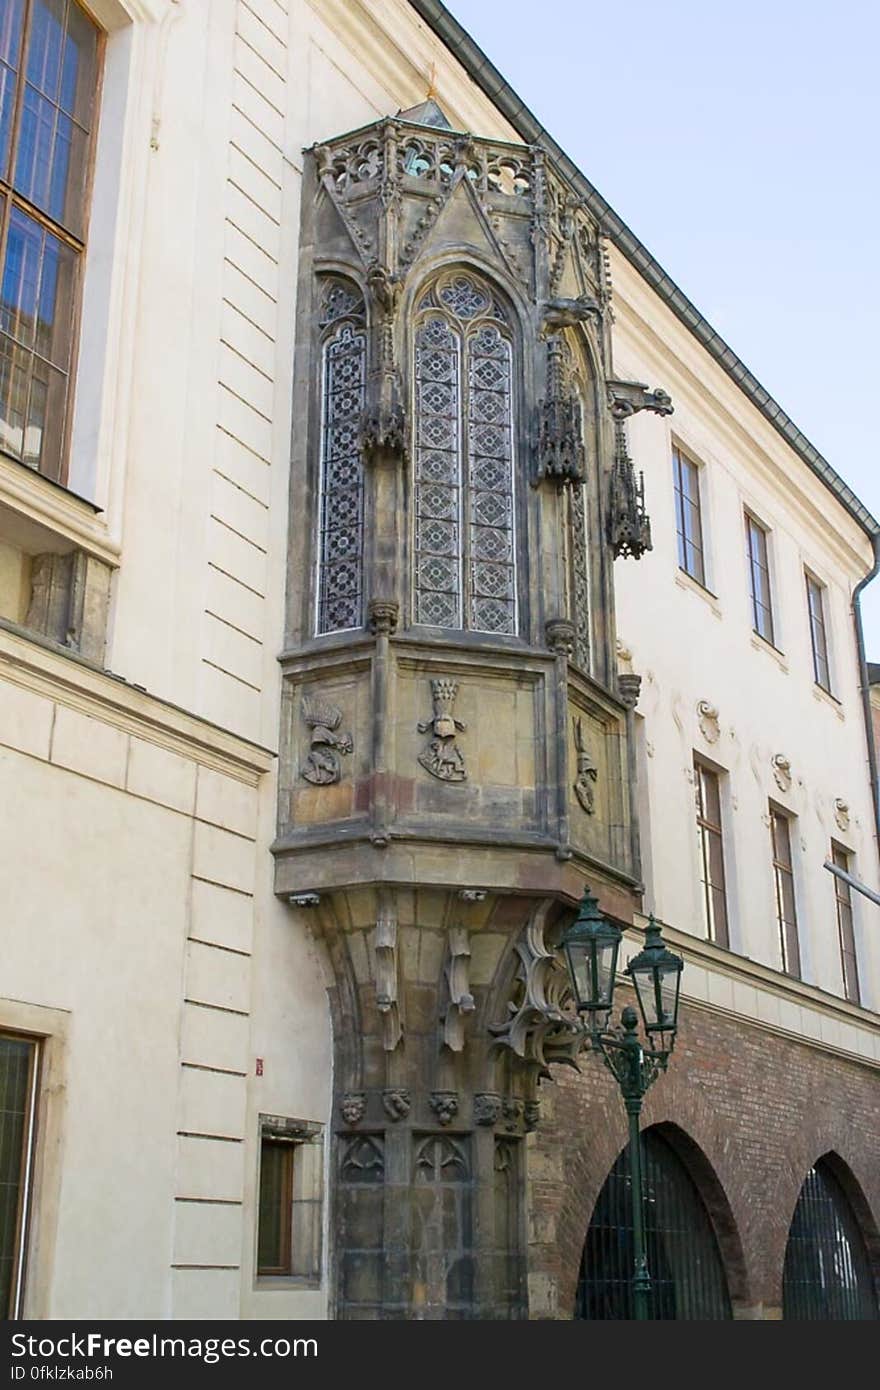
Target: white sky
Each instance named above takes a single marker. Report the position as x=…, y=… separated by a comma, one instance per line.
x=740, y=144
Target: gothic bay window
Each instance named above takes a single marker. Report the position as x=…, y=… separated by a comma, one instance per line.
x=48, y=83
x=465, y=567
x=340, y=600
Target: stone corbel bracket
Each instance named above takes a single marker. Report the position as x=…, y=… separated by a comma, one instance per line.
x=387, y=988
x=539, y=1030
x=383, y=434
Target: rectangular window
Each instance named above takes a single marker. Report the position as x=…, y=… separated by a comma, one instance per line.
x=709, y=834
x=48, y=86
x=688, y=517
x=818, y=635
x=18, y=1075
x=783, y=873
x=759, y=579
x=843, y=901
x=289, y=1221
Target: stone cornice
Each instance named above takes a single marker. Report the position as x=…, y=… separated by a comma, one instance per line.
x=69, y=680
x=752, y=973
x=54, y=518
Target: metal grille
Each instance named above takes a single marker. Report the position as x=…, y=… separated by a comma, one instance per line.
x=340, y=562
x=464, y=525
x=827, y=1275
x=687, y=1276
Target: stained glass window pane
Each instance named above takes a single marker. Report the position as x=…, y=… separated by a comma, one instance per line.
x=341, y=558
x=464, y=532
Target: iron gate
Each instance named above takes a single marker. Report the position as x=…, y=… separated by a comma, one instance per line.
x=687, y=1276
x=827, y=1275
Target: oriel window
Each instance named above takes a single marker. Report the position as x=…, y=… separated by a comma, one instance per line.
x=783, y=875
x=711, y=844
x=846, y=935
x=49, y=53
x=759, y=579
x=818, y=633
x=688, y=516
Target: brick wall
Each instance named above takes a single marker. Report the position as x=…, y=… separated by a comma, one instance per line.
x=748, y=1111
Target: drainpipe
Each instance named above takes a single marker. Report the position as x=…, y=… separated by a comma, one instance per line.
x=865, y=686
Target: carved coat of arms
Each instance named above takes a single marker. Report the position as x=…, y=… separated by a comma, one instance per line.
x=443, y=758
x=322, y=764
x=587, y=772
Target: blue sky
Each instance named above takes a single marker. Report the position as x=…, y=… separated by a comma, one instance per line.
x=740, y=143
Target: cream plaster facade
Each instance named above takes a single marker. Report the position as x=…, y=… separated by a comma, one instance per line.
x=141, y=936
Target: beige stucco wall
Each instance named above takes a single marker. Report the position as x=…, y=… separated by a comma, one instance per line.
x=691, y=645
x=140, y=933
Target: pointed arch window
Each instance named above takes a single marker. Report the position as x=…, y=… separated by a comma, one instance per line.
x=340, y=584
x=827, y=1275
x=688, y=1279
x=465, y=532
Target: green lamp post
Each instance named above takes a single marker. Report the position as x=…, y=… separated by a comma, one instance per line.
x=591, y=945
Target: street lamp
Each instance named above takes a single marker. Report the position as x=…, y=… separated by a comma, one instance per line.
x=591, y=946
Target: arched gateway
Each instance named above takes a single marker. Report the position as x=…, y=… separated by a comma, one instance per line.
x=687, y=1274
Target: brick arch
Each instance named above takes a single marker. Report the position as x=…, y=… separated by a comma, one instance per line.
x=685, y=1118
x=855, y=1193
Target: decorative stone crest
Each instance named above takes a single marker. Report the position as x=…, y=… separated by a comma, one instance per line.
x=444, y=1105
x=841, y=813
x=396, y=1102
x=708, y=720
x=782, y=774
x=587, y=771
x=443, y=758
x=487, y=1108
x=353, y=1107
x=322, y=764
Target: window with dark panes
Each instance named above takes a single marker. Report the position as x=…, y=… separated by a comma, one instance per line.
x=708, y=798
x=18, y=1070
x=289, y=1213
x=759, y=579
x=783, y=875
x=818, y=633
x=846, y=935
x=49, y=51
x=688, y=516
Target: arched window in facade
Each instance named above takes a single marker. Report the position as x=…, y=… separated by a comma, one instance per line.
x=687, y=1276
x=340, y=599
x=464, y=526
x=827, y=1274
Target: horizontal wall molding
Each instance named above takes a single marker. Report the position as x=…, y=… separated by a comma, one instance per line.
x=68, y=680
